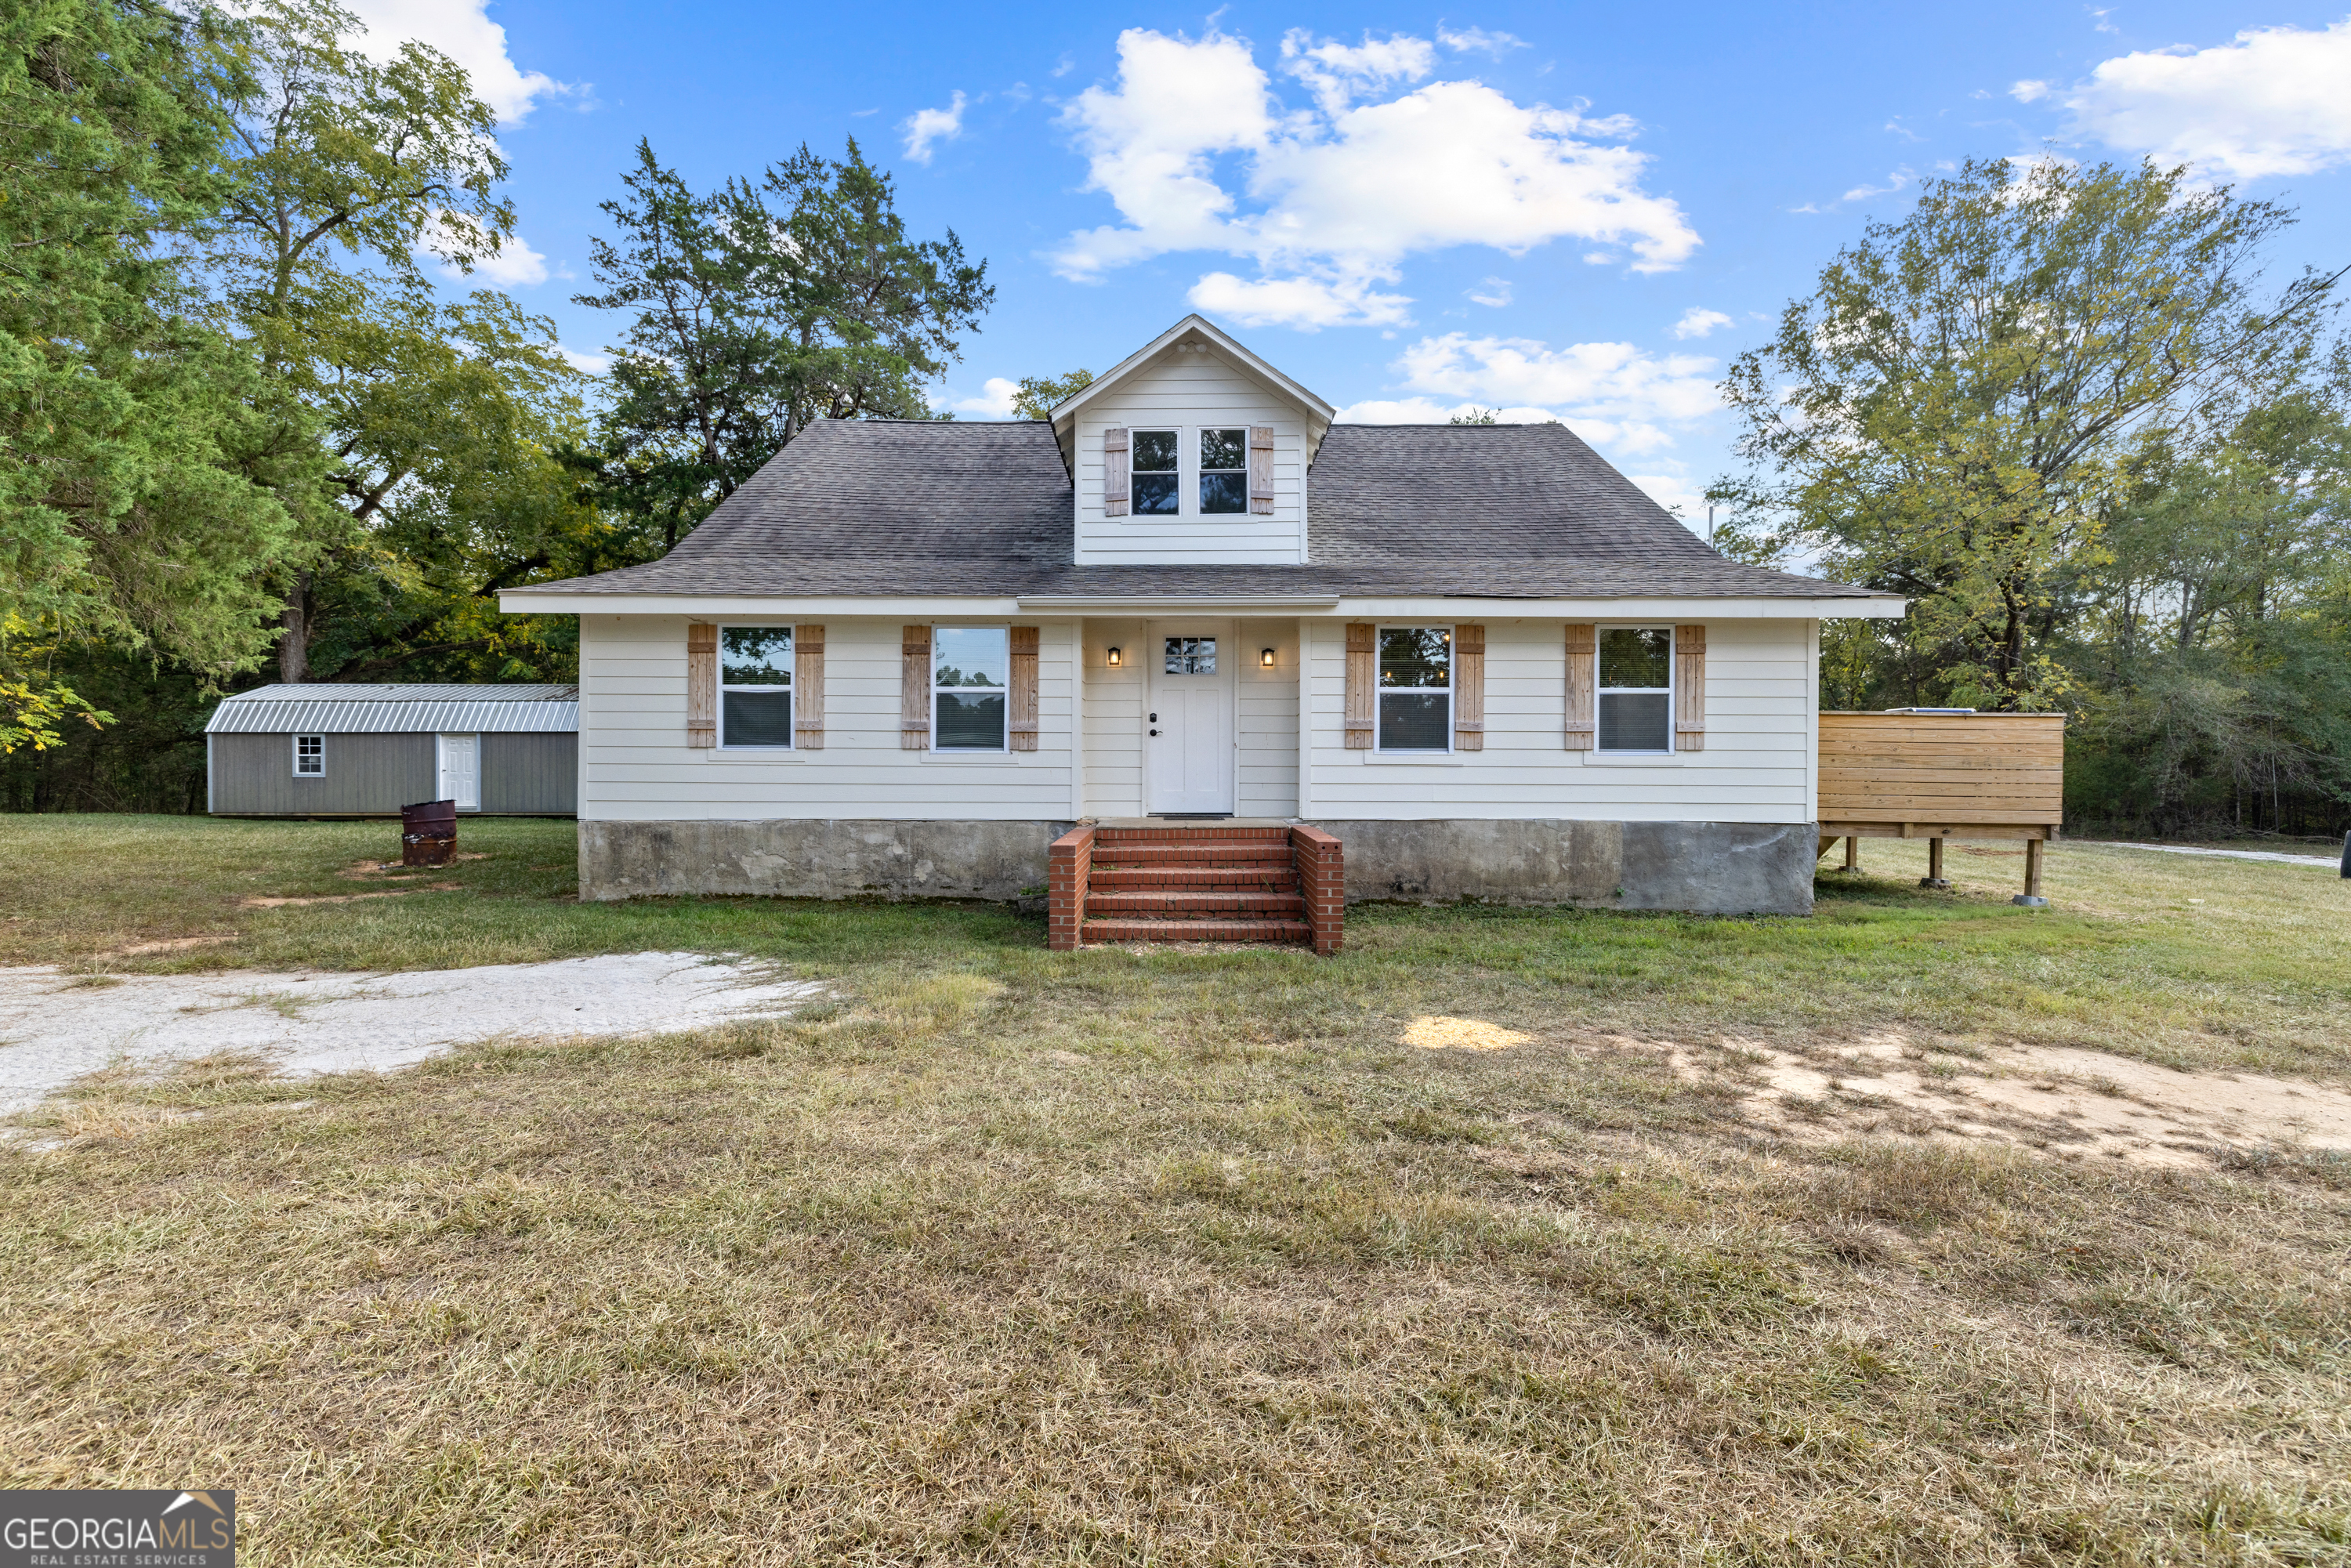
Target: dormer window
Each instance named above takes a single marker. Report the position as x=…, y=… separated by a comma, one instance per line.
x=1224, y=471
x=1154, y=472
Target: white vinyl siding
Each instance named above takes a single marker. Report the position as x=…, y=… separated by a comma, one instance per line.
x=1266, y=711
x=1115, y=708
x=1189, y=393
x=634, y=764
x=1757, y=766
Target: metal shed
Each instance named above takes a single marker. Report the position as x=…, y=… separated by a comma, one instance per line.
x=324, y=751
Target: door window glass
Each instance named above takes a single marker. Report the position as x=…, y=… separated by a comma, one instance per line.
x=1191, y=657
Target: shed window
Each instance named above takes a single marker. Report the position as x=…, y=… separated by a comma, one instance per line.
x=1152, y=479
x=1636, y=688
x=755, y=687
x=1224, y=471
x=310, y=756
x=970, y=674
x=1416, y=688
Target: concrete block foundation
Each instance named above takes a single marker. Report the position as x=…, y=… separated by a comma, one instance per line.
x=827, y=857
x=1703, y=868
x=1706, y=868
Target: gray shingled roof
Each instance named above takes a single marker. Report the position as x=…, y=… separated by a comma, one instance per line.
x=883, y=507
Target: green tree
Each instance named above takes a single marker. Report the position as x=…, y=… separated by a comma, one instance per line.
x=1951, y=413
x=344, y=170
x=1040, y=395
x=756, y=310
x=146, y=464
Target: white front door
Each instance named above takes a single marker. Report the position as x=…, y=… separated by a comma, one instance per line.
x=459, y=758
x=1188, y=736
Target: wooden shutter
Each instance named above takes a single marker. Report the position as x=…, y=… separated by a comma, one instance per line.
x=1363, y=673
x=1582, y=685
x=701, y=684
x=1689, y=688
x=1468, y=688
x=1261, y=468
x=1115, y=471
x=807, y=687
x=914, y=690
x=1024, y=688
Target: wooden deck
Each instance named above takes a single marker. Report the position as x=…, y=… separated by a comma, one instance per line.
x=1909, y=774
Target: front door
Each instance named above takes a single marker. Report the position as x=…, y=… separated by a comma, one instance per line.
x=460, y=757
x=1190, y=728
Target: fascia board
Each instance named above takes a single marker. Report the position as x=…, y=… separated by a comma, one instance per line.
x=1657, y=609
x=1320, y=606
x=763, y=606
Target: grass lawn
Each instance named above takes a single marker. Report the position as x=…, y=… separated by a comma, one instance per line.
x=1181, y=1257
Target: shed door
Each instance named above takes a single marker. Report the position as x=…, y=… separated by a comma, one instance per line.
x=459, y=757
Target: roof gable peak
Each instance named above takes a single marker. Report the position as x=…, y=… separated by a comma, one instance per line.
x=1194, y=328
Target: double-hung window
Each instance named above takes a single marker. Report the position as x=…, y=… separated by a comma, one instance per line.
x=310, y=756
x=755, y=687
x=1224, y=471
x=1416, y=688
x=1152, y=479
x=970, y=671
x=1636, y=688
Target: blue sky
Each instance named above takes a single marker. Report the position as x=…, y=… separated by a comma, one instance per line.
x=1581, y=211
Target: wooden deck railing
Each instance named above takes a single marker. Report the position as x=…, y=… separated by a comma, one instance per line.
x=1938, y=775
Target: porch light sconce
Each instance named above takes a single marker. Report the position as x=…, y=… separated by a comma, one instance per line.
x=1265, y=660
x=1116, y=658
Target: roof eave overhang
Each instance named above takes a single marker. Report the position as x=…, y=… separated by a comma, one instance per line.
x=1622, y=607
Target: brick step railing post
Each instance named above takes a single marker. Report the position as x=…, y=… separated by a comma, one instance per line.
x=1323, y=882
x=1069, y=868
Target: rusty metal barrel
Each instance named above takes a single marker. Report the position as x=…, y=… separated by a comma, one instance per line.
x=428, y=832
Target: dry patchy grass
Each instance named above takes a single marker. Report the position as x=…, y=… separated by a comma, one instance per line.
x=1188, y=1258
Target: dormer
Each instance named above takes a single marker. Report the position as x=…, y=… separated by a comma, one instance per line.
x=1193, y=450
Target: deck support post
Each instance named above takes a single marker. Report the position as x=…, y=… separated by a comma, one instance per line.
x=2031, y=897
x=1934, y=877
x=1853, y=852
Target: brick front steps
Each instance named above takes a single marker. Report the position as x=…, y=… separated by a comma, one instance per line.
x=1205, y=883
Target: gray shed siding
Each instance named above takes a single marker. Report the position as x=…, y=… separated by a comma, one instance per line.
x=375, y=775
x=529, y=774
x=253, y=775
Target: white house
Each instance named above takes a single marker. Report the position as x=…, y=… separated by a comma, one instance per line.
x=908, y=656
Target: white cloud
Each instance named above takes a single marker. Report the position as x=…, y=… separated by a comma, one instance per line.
x=1895, y=179
x=1495, y=293
x=1478, y=41
x=1428, y=411
x=1338, y=73
x=927, y=126
x=2274, y=101
x=1328, y=201
x=995, y=401
x=1697, y=321
x=2028, y=91
x=586, y=360
x=462, y=30
x=1308, y=304
x=1613, y=395
x=515, y=265
x=1675, y=493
